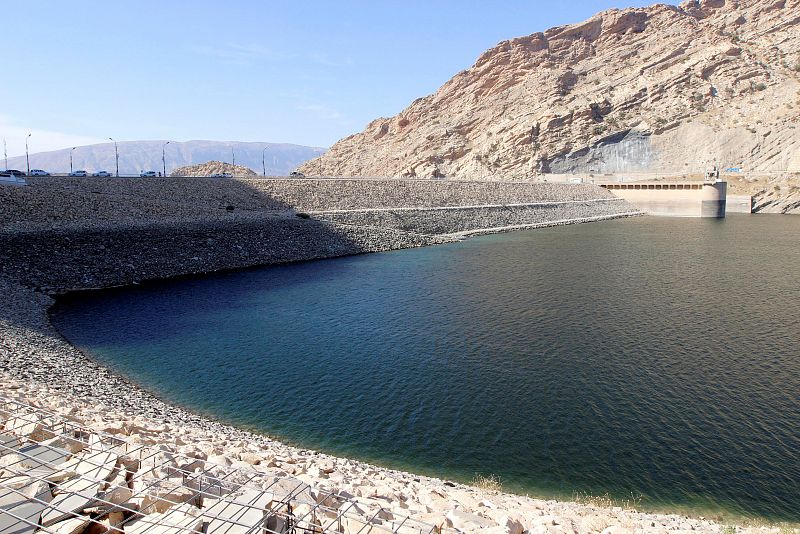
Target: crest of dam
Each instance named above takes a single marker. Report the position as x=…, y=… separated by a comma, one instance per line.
x=627, y=151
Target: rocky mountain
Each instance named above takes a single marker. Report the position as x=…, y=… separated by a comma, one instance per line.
x=771, y=193
x=280, y=159
x=662, y=89
x=211, y=168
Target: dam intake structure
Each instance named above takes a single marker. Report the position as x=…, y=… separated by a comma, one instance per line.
x=674, y=199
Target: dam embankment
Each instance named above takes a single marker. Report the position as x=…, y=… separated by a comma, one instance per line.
x=58, y=234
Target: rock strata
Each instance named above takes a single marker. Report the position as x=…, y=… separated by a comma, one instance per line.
x=662, y=89
x=772, y=193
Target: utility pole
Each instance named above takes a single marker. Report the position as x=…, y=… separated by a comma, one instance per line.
x=116, y=154
x=27, y=158
x=70, y=159
x=164, y=157
x=263, y=164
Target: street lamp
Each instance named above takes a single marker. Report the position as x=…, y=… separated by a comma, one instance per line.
x=164, y=158
x=116, y=154
x=233, y=158
x=27, y=158
x=263, y=164
x=5, y=152
x=70, y=159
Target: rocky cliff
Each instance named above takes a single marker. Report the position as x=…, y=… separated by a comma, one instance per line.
x=664, y=89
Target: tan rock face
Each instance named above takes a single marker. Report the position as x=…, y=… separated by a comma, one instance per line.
x=210, y=168
x=664, y=88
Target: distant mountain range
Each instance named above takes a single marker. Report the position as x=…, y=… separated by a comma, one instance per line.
x=135, y=156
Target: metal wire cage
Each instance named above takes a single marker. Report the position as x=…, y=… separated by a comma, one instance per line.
x=59, y=476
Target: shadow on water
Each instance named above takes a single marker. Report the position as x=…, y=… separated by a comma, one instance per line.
x=68, y=234
x=72, y=235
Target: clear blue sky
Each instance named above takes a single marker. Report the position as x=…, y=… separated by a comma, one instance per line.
x=305, y=72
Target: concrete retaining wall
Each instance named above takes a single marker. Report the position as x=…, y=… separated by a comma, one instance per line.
x=626, y=152
x=739, y=204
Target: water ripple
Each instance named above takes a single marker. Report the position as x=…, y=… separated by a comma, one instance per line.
x=653, y=357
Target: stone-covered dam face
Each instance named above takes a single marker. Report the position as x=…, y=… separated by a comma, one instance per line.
x=59, y=233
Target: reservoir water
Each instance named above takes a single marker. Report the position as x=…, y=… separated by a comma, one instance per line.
x=655, y=358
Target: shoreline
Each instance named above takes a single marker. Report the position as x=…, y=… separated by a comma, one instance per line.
x=160, y=412
x=41, y=262
x=683, y=510
x=169, y=421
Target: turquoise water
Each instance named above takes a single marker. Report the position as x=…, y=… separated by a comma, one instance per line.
x=649, y=357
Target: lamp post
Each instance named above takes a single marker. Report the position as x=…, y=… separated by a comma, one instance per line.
x=5, y=152
x=70, y=159
x=27, y=158
x=263, y=164
x=116, y=154
x=164, y=157
x=233, y=158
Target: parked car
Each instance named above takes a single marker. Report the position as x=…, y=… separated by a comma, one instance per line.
x=297, y=174
x=147, y=174
x=6, y=177
x=14, y=172
x=101, y=174
x=221, y=175
x=79, y=173
x=39, y=172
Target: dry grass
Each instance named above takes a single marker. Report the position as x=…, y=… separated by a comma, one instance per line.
x=606, y=501
x=487, y=483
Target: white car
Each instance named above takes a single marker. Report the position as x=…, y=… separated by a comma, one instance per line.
x=101, y=174
x=147, y=174
x=9, y=178
x=38, y=172
x=79, y=173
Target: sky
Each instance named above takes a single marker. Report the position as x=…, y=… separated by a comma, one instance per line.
x=304, y=72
